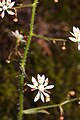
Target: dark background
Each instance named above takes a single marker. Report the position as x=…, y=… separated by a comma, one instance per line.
x=62, y=67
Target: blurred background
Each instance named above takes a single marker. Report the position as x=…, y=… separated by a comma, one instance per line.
x=62, y=67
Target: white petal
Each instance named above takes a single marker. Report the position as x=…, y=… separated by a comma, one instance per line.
x=34, y=81
x=78, y=30
x=11, y=5
x=72, y=34
x=38, y=76
x=23, y=40
x=49, y=87
x=17, y=33
x=46, y=94
x=41, y=79
x=42, y=97
x=37, y=97
x=14, y=33
x=10, y=12
x=21, y=36
x=74, y=29
x=3, y=2
x=1, y=9
x=2, y=14
x=46, y=82
x=31, y=86
x=8, y=1
x=73, y=39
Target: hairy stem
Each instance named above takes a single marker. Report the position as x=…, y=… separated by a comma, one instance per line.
x=47, y=38
x=23, y=6
x=20, y=114
x=30, y=35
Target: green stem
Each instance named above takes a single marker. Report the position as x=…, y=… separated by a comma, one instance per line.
x=47, y=38
x=23, y=6
x=29, y=111
x=30, y=35
x=57, y=105
x=20, y=114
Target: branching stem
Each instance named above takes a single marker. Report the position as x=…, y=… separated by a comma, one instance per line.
x=29, y=111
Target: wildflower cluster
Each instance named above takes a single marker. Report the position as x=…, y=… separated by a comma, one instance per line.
x=41, y=83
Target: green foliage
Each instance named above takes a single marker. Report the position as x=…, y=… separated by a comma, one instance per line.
x=8, y=93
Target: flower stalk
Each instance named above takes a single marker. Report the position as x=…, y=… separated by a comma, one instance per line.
x=47, y=38
x=23, y=6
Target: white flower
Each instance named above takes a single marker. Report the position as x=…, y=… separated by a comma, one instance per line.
x=19, y=37
x=76, y=36
x=6, y=5
x=41, y=85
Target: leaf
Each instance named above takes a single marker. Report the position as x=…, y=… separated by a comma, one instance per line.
x=35, y=111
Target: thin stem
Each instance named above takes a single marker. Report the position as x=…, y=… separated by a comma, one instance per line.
x=20, y=114
x=28, y=111
x=23, y=6
x=47, y=38
x=57, y=105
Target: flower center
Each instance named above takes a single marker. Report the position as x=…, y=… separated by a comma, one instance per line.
x=4, y=7
x=41, y=88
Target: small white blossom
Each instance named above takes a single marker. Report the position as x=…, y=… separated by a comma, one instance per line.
x=41, y=84
x=76, y=36
x=19, y=37
x=6, y=5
